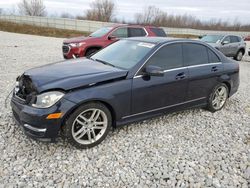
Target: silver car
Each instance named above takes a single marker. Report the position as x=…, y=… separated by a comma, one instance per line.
x=230, y=45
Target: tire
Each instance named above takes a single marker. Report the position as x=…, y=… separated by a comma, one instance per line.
x=91, y=51
x=89, y=121
x=239, y=55
x=217, y=99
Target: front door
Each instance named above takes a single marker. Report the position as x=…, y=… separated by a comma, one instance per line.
x=152, y=93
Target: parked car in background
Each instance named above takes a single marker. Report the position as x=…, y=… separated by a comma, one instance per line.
x=85, y=46
x=130, y=80
x=230, y=45
x=247, y=38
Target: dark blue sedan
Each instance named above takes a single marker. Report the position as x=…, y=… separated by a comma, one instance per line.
x=130, y=80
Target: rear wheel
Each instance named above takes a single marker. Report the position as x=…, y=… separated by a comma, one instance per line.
x=88, y=126
x=239, y=55
x=218, y=98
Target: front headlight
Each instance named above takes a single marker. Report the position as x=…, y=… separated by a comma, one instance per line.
x=77, y=44
x=48, y=99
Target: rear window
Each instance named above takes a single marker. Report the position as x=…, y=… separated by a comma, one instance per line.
x=213, y=58
x=158, y=32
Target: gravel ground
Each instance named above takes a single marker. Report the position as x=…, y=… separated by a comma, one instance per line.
x=194, y=148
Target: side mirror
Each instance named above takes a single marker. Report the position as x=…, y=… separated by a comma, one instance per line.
x=152, y=70
x=225, y=42
x=111, y=37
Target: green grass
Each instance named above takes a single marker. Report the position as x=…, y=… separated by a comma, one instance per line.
x=37, y=30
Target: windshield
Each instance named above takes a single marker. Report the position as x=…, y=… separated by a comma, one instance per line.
x=212, y=38
x=101, y=32
x=124, y=53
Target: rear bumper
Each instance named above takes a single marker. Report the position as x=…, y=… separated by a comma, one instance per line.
x=33, y=120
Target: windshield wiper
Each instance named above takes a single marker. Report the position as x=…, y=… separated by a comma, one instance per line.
x=104, y=62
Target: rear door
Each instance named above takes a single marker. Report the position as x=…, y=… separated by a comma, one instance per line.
x=153, y=93
x=204, y=69
x=235, y=44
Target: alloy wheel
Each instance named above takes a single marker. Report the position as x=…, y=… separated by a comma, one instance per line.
x=219, y=97
x=89, y=126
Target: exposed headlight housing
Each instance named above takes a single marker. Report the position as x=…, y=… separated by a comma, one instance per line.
x=48, y=99
x=77, y=44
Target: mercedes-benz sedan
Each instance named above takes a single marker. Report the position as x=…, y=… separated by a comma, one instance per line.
x=131, y=80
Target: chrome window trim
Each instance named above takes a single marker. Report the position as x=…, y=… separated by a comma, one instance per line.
x=169, y=106
x=180, y=68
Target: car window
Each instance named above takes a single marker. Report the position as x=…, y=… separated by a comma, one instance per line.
x=195, y=54
x=212, y=38
x=158, y=32
x=124, y=53
x=101, y=32
x=213, y=58
x=234, y=39
x=227, y=39
x=136, y=32
x=167, y=57
x=121, y=32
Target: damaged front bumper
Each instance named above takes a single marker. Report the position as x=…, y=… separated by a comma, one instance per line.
x=34, y=121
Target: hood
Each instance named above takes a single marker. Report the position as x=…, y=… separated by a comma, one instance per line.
x=77, y=39
x=72, y=74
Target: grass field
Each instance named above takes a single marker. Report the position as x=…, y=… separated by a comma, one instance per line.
x=54, y=32
x=37, y=30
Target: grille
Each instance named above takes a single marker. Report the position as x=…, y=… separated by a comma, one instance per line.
x=65, y=49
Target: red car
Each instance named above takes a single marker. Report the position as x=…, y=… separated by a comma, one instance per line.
x=247, y=38
x=85, y=46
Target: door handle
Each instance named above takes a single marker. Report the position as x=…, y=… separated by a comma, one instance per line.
x=180, y=76
x=214, y=69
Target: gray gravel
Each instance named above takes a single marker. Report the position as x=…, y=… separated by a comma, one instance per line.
x=194, y=148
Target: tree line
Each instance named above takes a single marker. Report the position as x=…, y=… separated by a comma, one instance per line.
x=104, y=10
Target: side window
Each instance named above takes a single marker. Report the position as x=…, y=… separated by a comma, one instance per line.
x=158, y=32
x=121, y=32
x=136, y=32
x=234, y=39
x=213, y=58
x=195, y=54
x=227, y=39
x=167, y=57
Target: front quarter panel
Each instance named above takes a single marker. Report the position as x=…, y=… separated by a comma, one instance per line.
x=116, y=94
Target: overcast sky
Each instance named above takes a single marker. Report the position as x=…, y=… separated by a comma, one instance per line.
x=125, y=9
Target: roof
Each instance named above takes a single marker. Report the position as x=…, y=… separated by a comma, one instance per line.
x=160, y=40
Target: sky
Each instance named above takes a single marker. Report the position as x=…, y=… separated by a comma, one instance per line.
x=225, y=10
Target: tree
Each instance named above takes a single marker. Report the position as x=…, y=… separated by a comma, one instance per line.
x=32, y=8
x=66, y=15
x=101, y=10
x=150, y=15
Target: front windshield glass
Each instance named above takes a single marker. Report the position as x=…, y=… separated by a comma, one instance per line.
x=212, y=38
x=101, y=32
x=124, y=53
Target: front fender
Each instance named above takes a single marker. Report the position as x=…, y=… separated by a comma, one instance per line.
x=116, y=94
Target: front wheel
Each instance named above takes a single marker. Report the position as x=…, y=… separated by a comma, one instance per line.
x=88, y=126
x=218, y=98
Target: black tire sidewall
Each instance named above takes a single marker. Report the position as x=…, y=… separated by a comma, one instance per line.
x=67, y=128
x=210, y=99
